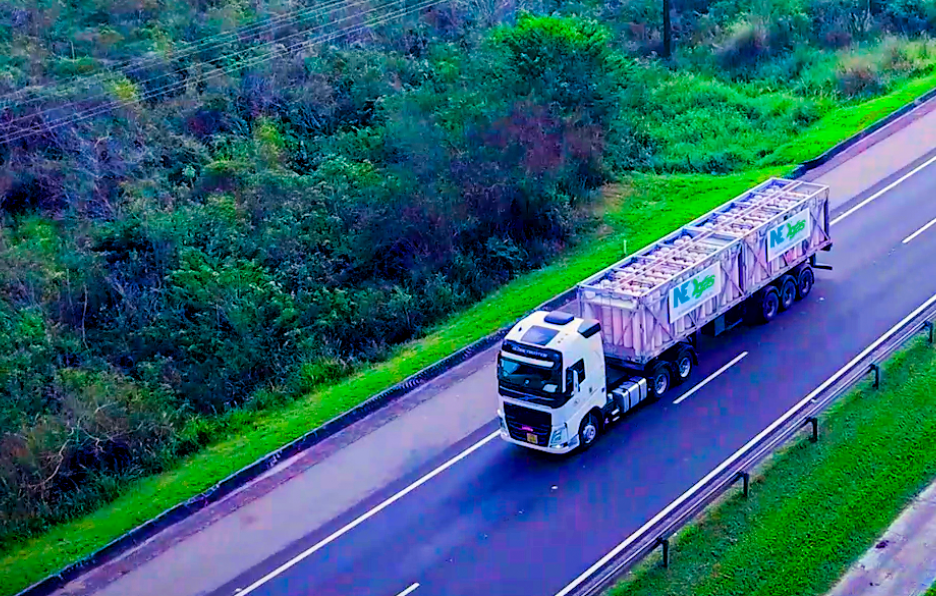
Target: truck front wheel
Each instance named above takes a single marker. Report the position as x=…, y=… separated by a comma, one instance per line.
x=660, y=379
x=588, y=431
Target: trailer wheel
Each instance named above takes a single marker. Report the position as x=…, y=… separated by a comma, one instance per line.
x=588, y=431
x=660, y=379
x=683, y=363
x=766, y=306
x=788, y=292
x=805, y=282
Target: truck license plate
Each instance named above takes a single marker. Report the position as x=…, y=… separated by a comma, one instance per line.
x=532, y=438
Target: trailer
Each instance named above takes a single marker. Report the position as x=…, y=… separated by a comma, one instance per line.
x=663, y=294
x=636, y=325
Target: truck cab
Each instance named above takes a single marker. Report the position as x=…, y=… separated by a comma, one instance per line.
x=552, y=380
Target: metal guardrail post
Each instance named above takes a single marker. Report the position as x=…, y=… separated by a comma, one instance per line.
x=746, y=484
x=876, y=369
x=815, y=428
x=664, y=542
x=928, y=325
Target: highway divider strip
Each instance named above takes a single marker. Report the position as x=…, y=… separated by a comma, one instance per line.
x=245, y=475
x=738, y=466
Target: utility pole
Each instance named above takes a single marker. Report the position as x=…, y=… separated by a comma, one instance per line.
x=667, y=30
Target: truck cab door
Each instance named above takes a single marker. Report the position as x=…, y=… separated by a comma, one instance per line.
x=576, y=379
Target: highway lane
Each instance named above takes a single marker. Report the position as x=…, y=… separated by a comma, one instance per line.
x=507, y=521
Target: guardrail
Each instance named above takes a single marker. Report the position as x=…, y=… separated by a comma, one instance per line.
x=659, y=530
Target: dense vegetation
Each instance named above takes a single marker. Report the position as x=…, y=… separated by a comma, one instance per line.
x=216, y=228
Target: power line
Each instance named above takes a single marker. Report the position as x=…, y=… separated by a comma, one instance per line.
x=345, y=3
x=209, y=43
x=9, y=138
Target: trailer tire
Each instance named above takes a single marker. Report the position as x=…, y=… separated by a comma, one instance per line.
x=804, y=282
x=661, y=379
x=788, y=292
x=767, y=305
x=589, y=430
x=683, y=364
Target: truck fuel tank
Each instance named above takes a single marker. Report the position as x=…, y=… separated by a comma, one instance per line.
x=630, y=393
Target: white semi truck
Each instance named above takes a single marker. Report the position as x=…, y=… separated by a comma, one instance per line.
x=562, y=377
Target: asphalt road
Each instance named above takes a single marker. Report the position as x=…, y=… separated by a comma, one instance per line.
x=506, y=521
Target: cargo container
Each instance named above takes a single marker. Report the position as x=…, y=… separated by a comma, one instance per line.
x=635, y=327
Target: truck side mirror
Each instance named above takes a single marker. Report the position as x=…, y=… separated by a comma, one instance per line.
x=575, y=381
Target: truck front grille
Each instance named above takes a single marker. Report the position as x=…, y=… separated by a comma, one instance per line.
x=523, y=421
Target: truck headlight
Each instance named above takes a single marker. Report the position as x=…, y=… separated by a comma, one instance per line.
x=560, y=434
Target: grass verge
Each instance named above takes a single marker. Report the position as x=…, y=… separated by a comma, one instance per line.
x=645, y=208
x=818, y=507
x=842, y=123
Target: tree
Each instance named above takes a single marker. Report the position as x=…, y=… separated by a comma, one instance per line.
x=667, y=30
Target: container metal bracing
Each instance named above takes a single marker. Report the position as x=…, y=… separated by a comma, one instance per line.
x=657, y=297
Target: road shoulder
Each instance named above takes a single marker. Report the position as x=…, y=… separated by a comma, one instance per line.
x=901, y=562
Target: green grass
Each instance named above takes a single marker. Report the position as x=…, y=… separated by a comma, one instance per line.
x=844, y=122
x=640, y=210
x=818, y=507
x=752, y=121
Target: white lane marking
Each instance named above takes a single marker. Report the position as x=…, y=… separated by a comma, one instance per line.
x=737, y=454
x=883, y=190
x=920, y=231
x=365, y=516
x=409, y=590
x=710, y=378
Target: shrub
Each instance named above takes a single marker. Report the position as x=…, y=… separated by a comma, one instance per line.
x=909, y=17
x=747, y=43
x=858, y=76
x=705, y=125
x=94, y=424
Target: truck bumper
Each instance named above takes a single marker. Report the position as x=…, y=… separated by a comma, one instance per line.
x=572, y=444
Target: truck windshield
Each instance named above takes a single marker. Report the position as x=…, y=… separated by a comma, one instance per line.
x=523, y=376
